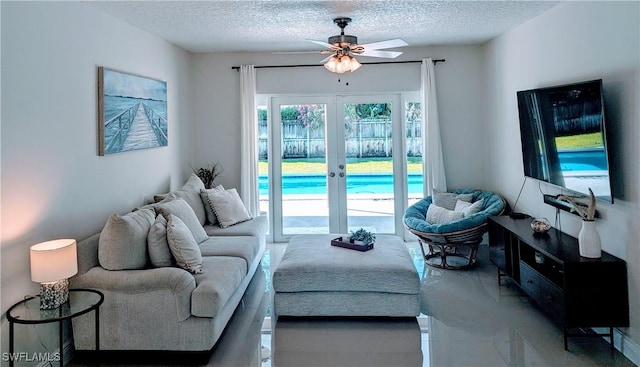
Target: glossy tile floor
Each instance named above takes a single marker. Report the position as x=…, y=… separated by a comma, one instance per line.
x=466, y=320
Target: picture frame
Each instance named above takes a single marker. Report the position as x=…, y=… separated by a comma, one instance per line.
x=132, y=112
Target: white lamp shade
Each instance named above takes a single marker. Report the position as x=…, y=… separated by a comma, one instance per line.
x=53, y=260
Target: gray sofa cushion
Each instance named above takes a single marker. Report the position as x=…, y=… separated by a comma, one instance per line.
x=244, y=247
x=159, y=252
x=220, y=278
x=123, y=240
x=182, y=210
x=256, y=227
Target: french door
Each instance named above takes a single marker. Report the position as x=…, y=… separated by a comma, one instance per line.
x=332, y=167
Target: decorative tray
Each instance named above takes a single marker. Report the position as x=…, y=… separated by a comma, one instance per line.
x=350, y=245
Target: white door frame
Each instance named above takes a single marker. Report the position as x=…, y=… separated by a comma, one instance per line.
x=335, y=156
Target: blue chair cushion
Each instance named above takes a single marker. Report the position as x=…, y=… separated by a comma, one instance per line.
x=415, y=215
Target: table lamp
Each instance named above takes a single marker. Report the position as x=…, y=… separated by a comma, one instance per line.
x=52, y=263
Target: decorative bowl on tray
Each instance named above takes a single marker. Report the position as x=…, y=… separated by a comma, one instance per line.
x=540, y=225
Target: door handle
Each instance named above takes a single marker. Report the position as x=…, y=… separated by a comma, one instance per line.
x=332, y=174
x=341, y=174
x=341, y=166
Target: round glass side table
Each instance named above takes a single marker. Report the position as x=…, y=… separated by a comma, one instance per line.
x=27, y=311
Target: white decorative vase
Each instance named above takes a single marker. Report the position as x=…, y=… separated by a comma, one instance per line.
x=589, y=240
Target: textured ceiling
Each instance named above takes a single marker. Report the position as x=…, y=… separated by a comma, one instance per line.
x=225, y=26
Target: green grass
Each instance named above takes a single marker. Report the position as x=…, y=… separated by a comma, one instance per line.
x=579, y=141
x=367, y=165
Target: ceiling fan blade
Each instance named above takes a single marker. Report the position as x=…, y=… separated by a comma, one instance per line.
x=323, y=44
x=377, y=53
x=326, y=59
x=384, y=44
x=297, y=52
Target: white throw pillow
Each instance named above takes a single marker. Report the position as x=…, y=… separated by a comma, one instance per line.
x=438, y=215
x=228, y=207
x=204, y=194
x=469, y=208
x=183, y=246
x=159, y=252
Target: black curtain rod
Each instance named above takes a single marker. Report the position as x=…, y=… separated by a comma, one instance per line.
x=237, y=68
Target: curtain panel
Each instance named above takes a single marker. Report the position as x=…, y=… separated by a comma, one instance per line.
x=432, y=158
x=249, y=140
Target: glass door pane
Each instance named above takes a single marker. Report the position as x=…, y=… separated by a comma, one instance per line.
x=370, y=180
x=413, y=136
x=303, y=192
x=263, y=159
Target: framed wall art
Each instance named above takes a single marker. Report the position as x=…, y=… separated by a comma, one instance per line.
x=132, y=112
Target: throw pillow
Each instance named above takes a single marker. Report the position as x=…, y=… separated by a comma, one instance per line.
x=190, y=192
x=469, y=208
x=204, y=193
x=123, y=240
x=465, y=197
x=228, y=207
x=439, y=215
x=448, y=200
x=445, y=200
x=159, y=252
x=182, y=210
x=183, y=246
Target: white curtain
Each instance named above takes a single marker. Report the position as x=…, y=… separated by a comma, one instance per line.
x=432, y=160
x=249, y=140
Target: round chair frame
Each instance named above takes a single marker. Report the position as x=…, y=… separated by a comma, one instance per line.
x=460, y=244
x=443, y=245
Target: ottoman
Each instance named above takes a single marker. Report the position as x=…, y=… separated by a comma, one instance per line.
x=317, y=279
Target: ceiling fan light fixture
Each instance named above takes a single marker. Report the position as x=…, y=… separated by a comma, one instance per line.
x=343, y=46
x=340, y=68
x=331, y=64
x=355, y=64
x=342, y=64
x=345, y=61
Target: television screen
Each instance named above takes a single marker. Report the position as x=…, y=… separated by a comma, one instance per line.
x=562, y=130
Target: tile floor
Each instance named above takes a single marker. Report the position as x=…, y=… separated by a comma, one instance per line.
x=466, y=320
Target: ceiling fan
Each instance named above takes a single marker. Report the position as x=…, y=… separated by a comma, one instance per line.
x=342, y=47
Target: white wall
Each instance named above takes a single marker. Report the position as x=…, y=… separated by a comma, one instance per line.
x=572, y=42
x=217, y=103
x=54, y=184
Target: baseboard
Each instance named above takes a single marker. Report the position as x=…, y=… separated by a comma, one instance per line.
x=625, y=345
x=628, y=347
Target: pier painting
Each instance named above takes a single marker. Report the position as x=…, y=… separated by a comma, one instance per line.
x=132, y=112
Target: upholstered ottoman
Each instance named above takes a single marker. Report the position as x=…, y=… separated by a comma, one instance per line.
x=317, y=279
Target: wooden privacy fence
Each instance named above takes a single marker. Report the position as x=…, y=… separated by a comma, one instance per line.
x=364, y=139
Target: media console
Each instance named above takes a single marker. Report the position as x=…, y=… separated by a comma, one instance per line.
x=577, y=293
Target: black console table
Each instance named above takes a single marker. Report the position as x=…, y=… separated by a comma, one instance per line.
x=576, y=292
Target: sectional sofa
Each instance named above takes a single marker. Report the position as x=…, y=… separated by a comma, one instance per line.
x=172, y=272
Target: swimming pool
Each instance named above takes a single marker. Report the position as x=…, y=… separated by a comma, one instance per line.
x=583, y=159
x=356, y=184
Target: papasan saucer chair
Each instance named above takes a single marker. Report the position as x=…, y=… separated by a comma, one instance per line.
x=454, y=244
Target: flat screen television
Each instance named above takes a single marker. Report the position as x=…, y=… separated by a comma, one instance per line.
x=564, y=140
